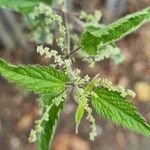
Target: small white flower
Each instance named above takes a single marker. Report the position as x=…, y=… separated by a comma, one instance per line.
x=32, y=137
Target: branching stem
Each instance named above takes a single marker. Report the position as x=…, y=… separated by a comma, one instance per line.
x=74, y=51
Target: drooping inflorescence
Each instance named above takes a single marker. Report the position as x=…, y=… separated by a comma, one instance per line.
x=44, y=20
x=45, y=117
x=120, y=89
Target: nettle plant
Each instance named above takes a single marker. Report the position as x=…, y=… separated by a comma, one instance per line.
x=54, y=83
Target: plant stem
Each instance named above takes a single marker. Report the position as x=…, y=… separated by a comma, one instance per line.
x=67, y=29
x=74, y=51
x=78, y=25
x=69, y=66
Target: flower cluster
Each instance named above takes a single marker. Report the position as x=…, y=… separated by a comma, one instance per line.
x=76, y=75
x=65, y=64
x=62, y=32
x=45, y=117
x=50, y=54
x=43, y=20
x=89, y=17
x=108, y=84
x=108, y=51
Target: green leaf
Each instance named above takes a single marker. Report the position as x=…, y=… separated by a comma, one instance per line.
x=47, y=1
x=23, y=6
x=111, y=105
x=79, y=114
x=45, y=138
x=39, y=79
x=89, y=87
x=96, y=37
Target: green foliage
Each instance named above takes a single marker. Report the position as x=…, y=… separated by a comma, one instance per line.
x=39, y=79
x=89, y=88
x=98, y=43
x=111, y=105
x=97, y=36
x=23, y=6
x=79, y=115
x=47, y=1
x=46, y=136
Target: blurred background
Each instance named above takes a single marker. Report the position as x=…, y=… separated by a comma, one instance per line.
x=18, y=107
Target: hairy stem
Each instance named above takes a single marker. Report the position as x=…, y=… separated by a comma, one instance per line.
x=67, y=29
x=69, y=66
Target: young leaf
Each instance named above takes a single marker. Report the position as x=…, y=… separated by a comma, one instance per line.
x=79, y=115
x=23, y=6
x=111, y=105
x=89, y=87
x=45, y=138
x=39, y=79
x=96, y=37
